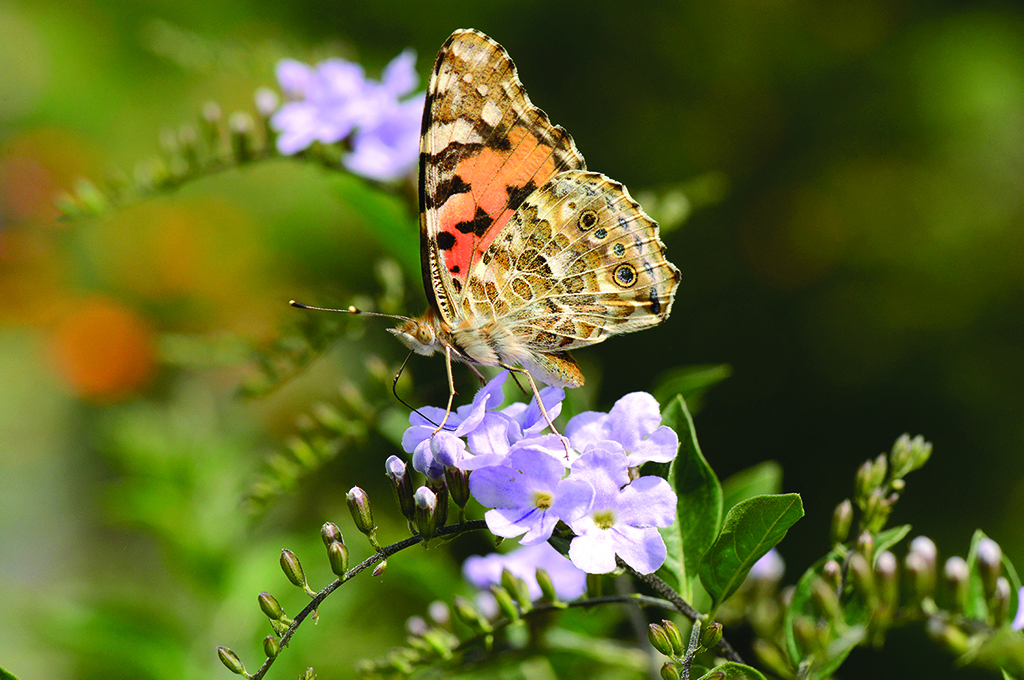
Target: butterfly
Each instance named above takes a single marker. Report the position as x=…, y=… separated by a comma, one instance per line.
x=525, y=254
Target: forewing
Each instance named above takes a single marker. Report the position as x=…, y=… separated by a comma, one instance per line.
x=484, y=148
x=579, y=261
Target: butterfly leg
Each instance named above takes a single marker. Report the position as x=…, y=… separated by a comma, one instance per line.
x=451, y=389
x=540, y=403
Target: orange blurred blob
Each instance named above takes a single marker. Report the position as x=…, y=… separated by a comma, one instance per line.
x=103, y=350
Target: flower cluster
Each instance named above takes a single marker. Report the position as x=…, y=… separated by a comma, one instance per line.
x=335, y=101
x=531, y=480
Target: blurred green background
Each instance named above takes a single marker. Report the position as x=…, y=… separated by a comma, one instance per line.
x=862, y=275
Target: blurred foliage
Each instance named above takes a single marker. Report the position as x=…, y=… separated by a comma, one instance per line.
x=854, y=172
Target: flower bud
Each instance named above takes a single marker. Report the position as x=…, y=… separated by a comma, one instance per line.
x=209, y=122
x=271, y=607
x=659, y=639
x=441, y=491
x=505, y=603
x=188, y=144
x=401, y=484
x=466, y=613
x=870, y=476
x=359, y=506
x=231, y=661
x=886, y=578
x=823, y=594
x=425, y=517
x=330, y=533
x=861, y=575
x=292, y=568
x=920, y=577
x=458, y=484
x=842, y=519
x=416, y=626
x=266, y=102
x=1000, y=603
x=866, y=546
x=675, y=636
x=439, y=613
x=337, y=555
x=989, y=558
x=909, y=454
x=670, y=671
x=832, y=574
x=925, y=547
x=518, y=588
x=955, y=575
x=547, y=586
x=271, y=646
x=711, y=635
x=381, y=567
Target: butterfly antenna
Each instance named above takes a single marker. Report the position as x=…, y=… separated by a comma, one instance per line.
x=394, y=390
x=352, y=309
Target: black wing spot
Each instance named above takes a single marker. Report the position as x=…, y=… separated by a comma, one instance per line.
x=478, y=225
x=655, y=302
x=446, y=240
x=516, y=195
x=447, y=188
x=454, y=269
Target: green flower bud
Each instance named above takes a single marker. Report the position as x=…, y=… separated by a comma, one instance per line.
x=886, y=578
x=330, y=533
x=842, y=519
x=458, y=484
x=866, y=546
x=271, y=646
x=292, y=569
x=832, y=574
x=547, y=586
x=670, y=671
x=441, y=491
x=359, y=506
x=337, y=554
x=861, y=575
x=381, y=567
x=824, y=596
x=209, y=122
x=675, y=636
x=231, y=661
x=505, y=603
x=659, y=639
x=955, y=576
x=468, y=614
x=909, y=454
x=271, y=607
x=711, y=635
x=188, y=144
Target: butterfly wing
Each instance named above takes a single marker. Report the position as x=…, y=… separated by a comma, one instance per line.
x=577, y=262
x=484, y=148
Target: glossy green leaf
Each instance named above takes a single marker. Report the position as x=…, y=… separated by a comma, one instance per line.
x=698, y=502
x=732, y=671
x=759, y=480
x=890, y=537
x=750, y=530
x=691, y=383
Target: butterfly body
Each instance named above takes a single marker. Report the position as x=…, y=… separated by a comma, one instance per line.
x=526, y=255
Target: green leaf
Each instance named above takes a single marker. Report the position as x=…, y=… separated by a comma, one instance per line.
x=750, y=530
x=731, y=670
x=5, y=675
x=698, y=502
x=760, y=480
x=890, y=537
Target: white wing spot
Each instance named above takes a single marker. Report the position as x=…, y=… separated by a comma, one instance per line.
x=491, y=114
x=482, y=90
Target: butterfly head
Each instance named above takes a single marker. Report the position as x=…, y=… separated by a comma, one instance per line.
x=419, y=335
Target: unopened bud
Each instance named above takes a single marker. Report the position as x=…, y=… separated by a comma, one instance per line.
x=842, y=519
x=989, y=558
x=266, y=101
x=381, y=567
x=886, y=578
x=359, y=506
x=925, y=547
x=547, y=586
x=675, y=636
x=832, y=574
x=439, y=613
x=425, y=517
x=861, y=575
x=823, y=594
x=506, y=604
x=870, y=476
x=441, y=491
x=711, y=635
x=401, y=485
x=231, y=661
x=518, y=588
x=866, y=546
x=330, y=533
x=909, y=454
x=659, y=639
x=458, y=484
x=466, y=613
x=292, y=568
x=270, y=606
x=920, y=577
x=670, y=671
x=955, y=575
x=337, y=555
x=1000, y=603
x=271, y=646
x=210, y=121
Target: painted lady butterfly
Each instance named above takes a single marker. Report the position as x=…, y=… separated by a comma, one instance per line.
x=525, y=254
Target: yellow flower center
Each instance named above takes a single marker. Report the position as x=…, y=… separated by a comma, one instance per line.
x=542, y=499
x=604, y=519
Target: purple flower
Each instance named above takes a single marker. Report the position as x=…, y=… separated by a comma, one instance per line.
x=500, y=430
x=521, y=492
x=570, y=583
x=617, y=517
x=335, y=101
x=1018, y=620
x=431, y=452
x=634, y=422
